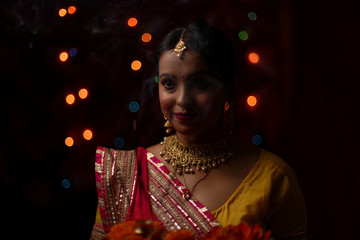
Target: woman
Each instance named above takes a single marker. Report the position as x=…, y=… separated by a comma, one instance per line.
x=199, y=177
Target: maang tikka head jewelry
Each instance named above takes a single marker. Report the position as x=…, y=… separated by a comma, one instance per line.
x=180, y=46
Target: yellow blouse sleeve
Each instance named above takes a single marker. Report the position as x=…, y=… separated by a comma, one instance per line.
x=98, y=232
x=98, y=217
x=287, y=213
x=269, y=195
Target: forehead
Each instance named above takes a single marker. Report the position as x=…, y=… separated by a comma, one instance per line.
x=191, y=62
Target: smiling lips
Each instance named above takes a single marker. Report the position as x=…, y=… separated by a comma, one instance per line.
x=183, y=116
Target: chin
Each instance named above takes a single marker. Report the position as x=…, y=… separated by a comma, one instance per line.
x=186, y=131
x=192, y=132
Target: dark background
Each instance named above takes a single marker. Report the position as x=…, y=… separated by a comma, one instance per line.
x=306, y=83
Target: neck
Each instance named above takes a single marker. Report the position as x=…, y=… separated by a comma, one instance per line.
x=190, y=140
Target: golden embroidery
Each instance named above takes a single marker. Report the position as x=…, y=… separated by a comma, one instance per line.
x=168, y=205
x=117, y=185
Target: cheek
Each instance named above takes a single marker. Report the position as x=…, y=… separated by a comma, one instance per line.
x=212, y=104
x=165, y=102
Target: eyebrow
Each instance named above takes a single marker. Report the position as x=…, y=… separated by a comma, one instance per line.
x=167, y=75
x=191, y=75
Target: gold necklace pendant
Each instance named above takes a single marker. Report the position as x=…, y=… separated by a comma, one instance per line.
x=186, y=196
x=204, y=157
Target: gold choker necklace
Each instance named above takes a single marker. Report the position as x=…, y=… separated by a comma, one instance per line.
x=185, y=159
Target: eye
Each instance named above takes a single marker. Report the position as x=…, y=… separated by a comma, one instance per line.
x=168, y=83
x=202, y=83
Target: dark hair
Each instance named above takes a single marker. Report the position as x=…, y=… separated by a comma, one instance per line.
x=210, y=43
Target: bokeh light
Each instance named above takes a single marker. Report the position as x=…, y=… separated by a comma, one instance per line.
x=227, y=106
x=136, y=65
x=62, y=12
x=254, y=58
x=88, y=134
x=251, y=101
x=70, y=99
x=146, y=37
x=132, y=22
x=243, y=35
x=252, y=16
x=69, y=141
x=257, y=140
x=71, y=9
x=134, y=106
x=65, y=183
x=63, y=56
x=72, y=52
x=157, y=79
x=83, y=93
x=119, y=142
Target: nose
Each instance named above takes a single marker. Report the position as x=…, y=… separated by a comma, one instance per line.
x=185, y=97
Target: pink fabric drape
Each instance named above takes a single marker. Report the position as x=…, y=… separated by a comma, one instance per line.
x=140, y=208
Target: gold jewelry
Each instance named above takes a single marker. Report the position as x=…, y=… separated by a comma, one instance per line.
x=180, y=46
x=186, y=196
x=168, y=126
x=185, y=159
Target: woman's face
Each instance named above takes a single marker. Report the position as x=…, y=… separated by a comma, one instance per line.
x=191, y=97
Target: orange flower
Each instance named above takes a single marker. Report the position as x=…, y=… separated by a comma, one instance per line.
x=240, y=232
x=124, y=230
x=136, y=230
x=182, y=234
x=150, y=230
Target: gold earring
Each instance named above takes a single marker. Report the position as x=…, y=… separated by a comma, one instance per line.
x=168, y=126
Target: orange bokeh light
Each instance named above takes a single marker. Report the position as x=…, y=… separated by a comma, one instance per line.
x=62, y=12
x=63, y=56
x=251, y=101
x=136, y=65
x=83, y=93
x=71, y=9
x=70, y=99
x=132, y=22
x=69, y=141
x=226, y=106
x=146, y=37
x=88, y=134
x=254, y=57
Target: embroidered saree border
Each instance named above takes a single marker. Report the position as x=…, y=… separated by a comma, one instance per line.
x=97, y=232
x=169, y=206
x=115, y=174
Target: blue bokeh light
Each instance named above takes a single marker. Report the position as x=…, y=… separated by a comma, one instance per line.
x=252, y=16
x=119, y=142
x=65, y=183
x=72, y=52
x=257, y=140
x=134, y=106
